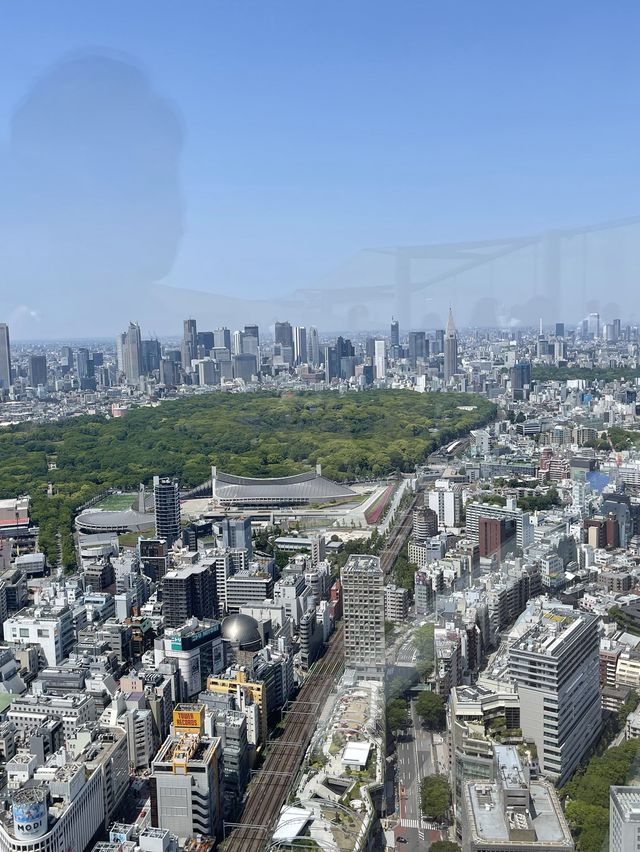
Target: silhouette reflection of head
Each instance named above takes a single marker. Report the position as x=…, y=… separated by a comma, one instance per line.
x=92, y=213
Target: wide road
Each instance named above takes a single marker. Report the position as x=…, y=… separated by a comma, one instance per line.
x=417, y=758
x=270, y=787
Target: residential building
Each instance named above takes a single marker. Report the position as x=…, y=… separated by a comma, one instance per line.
x=167, y=509
x=396, y=603
x=362, y=582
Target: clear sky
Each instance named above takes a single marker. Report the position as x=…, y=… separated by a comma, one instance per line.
x=307, y=130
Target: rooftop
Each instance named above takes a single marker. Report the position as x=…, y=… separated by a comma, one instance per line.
x=489, y=823
x=627, y=800
x=302, y=487
x=359, y=564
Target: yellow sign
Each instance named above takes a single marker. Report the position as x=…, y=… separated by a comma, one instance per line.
x=188, y=720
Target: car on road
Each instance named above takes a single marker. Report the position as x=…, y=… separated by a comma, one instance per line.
x=402, y=839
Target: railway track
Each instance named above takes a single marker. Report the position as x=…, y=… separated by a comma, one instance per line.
x=271, y=786
x=399, y=534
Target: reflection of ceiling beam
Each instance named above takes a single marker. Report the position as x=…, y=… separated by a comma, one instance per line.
x=465, y=257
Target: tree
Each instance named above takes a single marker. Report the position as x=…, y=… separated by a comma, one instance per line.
x=397, y=715
x=404, y=573
x=435, y=796
x=424, y=643
x=444, y=846
x=430, y=708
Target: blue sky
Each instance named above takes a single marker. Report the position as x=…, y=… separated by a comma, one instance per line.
x=315, y=128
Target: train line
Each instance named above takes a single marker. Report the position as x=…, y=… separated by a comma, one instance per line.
x=271, y=786
x=399, y=534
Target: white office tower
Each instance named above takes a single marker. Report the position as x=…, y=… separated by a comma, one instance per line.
x=624, y=819
x=362, y=581
x=380, y=359
x=300, y=344
x=553, y=658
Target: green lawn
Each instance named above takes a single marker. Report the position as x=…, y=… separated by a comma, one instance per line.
x=116, y=502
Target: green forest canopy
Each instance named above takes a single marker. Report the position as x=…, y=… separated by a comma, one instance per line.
x=357, y=435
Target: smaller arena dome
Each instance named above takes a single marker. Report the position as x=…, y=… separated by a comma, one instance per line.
x=242, y=631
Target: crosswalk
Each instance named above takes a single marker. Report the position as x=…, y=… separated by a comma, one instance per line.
x=419, y=823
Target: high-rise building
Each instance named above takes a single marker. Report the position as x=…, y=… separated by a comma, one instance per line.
x=450, y=349
x=283, y=334
x=189, y=348
x=236, y=534
x=167, y=509
x=188, y=592
x=380, y=359
x=520, y=377
x=425, y=523
x=244, y=367
x=331, y=362
x=132, y=353
x=206, y=341
x=395, y=333
x=617, y=329
x=418, y=347
x=555, y=664
x=362, y=581
x=222, y=338
x=83, y=366
x=37, y=370
x=438, y=348
x=168, y=372
x=151, y=353
x=66, y=359
x=300, y=344
x=187, y=783
x=313, y=346
x=447, y=504
x=475, y=511
x=154, y=557
x=559, y=329
x=5, y=356
x=252, y=331
x=238, y=338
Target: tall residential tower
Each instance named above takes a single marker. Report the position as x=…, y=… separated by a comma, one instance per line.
x=362, y=581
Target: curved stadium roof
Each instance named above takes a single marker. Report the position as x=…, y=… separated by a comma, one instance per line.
x=127, y=520
x=309, y=487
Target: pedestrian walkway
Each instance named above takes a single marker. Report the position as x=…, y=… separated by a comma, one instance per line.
x=419, y=823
